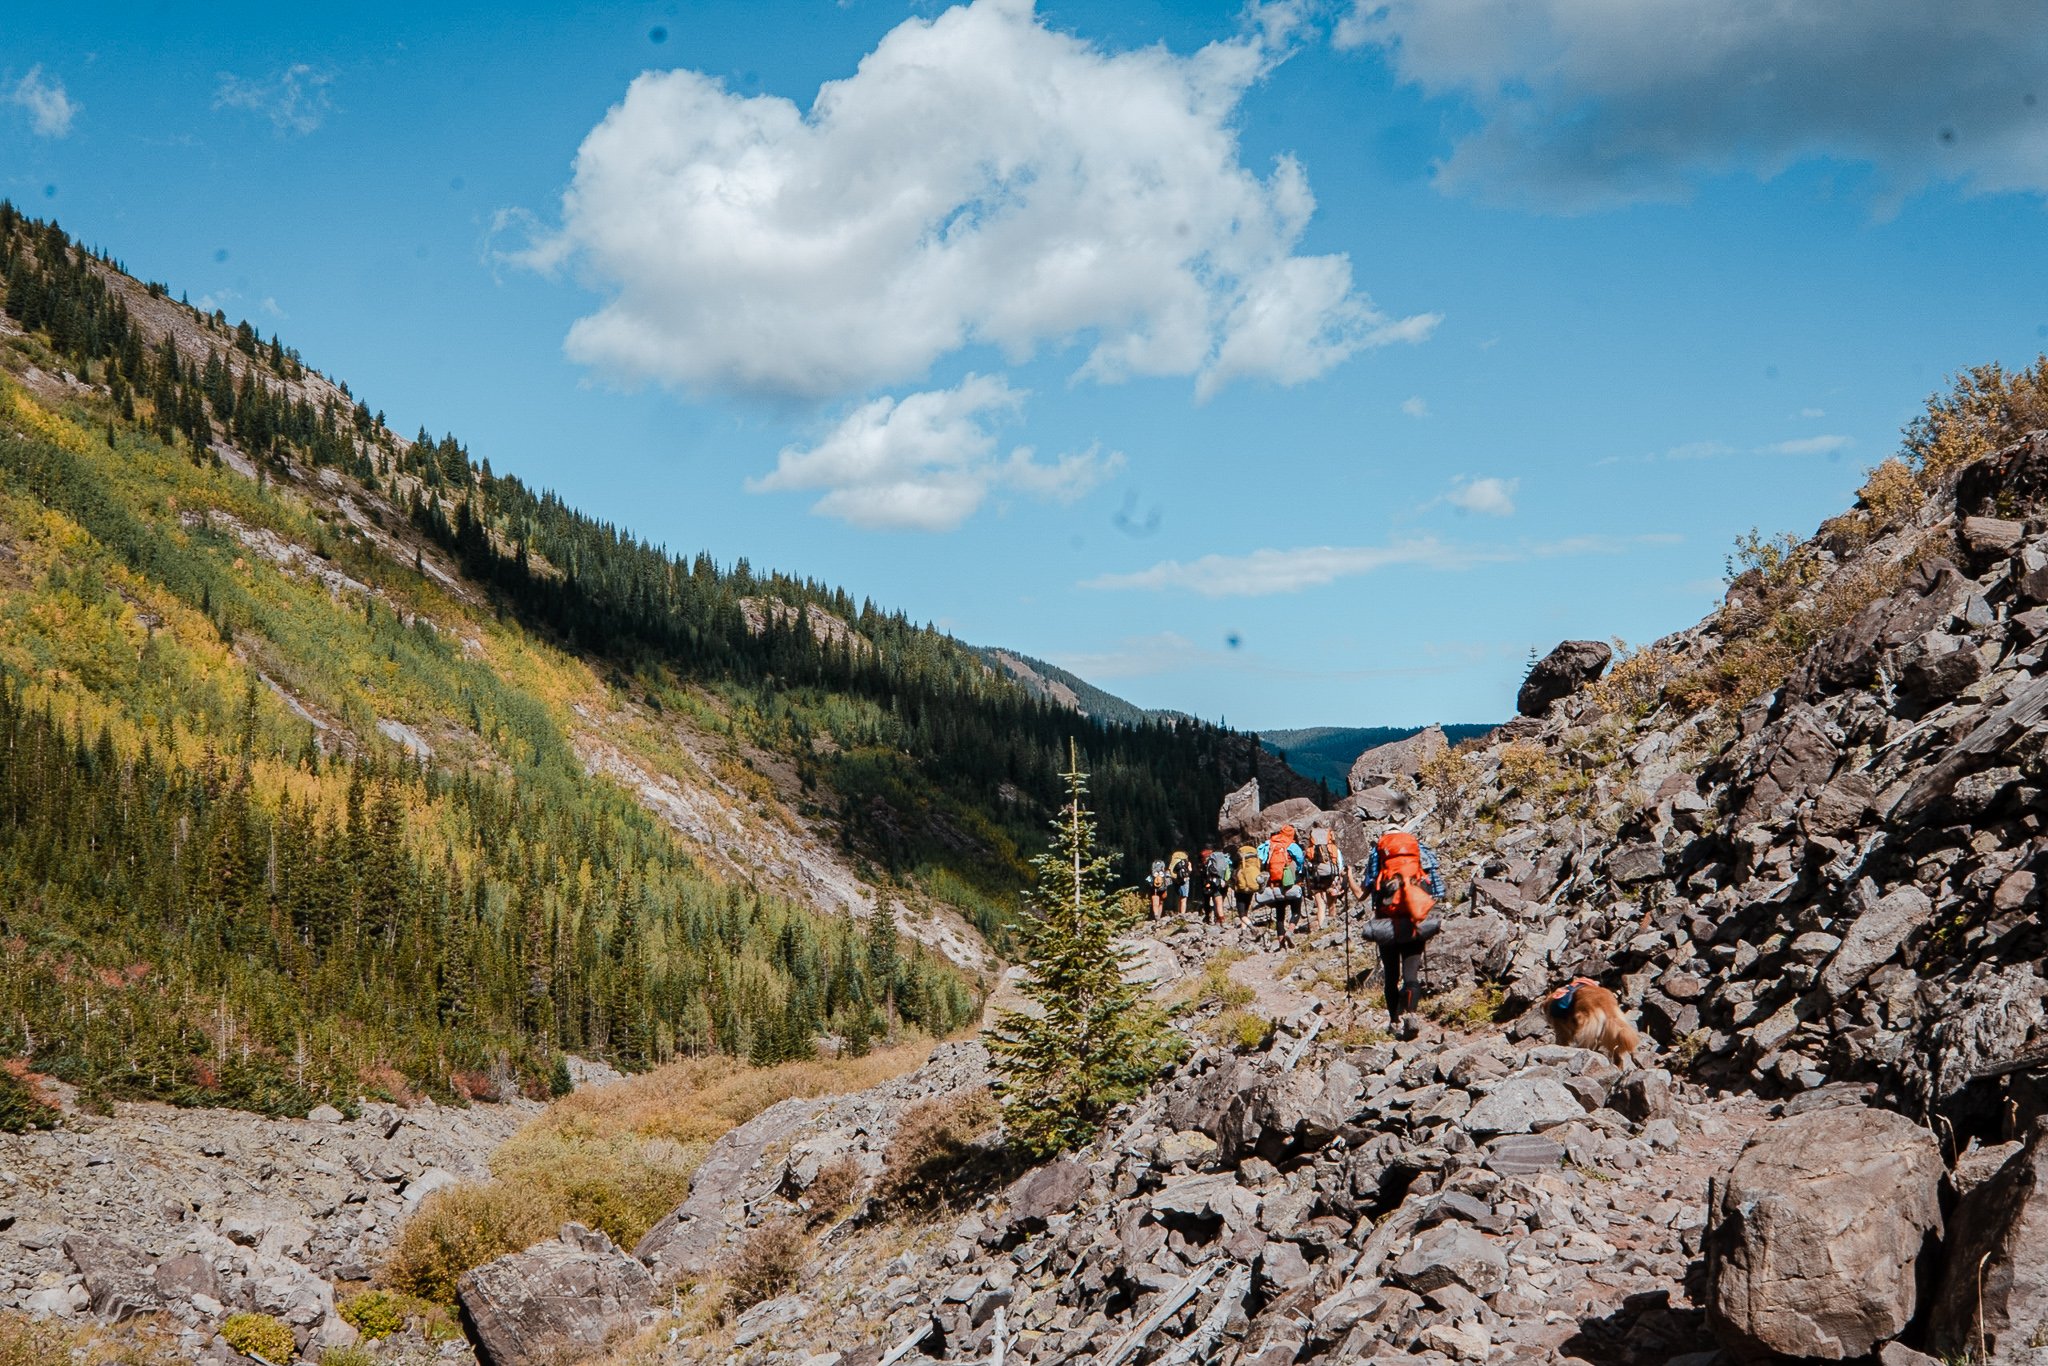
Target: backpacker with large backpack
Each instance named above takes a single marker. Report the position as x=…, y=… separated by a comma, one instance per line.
x=1324, y=863
x=1250, y=874
x=1282, y=870
x=1403, y=904
x=1157, y=881
x=1219, y=870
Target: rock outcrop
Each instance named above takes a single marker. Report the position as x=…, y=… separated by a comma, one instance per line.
x=1399, y=759
x=1562, y=672
x=556, y=1301
x=1994, y=1295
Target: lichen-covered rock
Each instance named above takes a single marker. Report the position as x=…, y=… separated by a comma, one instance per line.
x=1815, y=1236
x=1562, y=672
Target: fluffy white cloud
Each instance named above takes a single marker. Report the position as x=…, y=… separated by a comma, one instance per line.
x=295, y=100
x=50, y=109
x=1809, y=445
x=1415, y=406
x=979, y=179
x=1264, y=572
x=927, y=461
x=1590, y=102
x=1488, y=497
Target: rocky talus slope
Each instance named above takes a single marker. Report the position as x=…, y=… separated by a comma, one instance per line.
x=1801, y=841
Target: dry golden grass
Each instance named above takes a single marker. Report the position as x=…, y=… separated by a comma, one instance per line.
x=767, y=1264
x=615, y=1158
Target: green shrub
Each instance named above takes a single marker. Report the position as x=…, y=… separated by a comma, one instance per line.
x=21, y=1109
x=260, y=1335
x=374, y=1313
x=347, y=1356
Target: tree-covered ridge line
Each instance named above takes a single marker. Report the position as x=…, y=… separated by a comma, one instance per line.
x=202, y=904
x=934, y=740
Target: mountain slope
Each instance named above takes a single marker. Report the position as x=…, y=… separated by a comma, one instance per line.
x=1327, y=752
x=1070, y=690
x=340, y=763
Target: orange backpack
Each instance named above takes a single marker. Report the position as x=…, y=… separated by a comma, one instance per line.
x=1402, y=887
x=1279, y=863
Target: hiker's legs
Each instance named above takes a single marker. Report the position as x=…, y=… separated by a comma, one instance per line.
x=1390, y=966
x=1411, y=977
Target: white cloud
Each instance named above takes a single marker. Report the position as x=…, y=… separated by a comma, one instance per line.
x=927, y=461
x=1813, y=412
x=1264, y=572
x=1809, y=445
x=1586, y=103
x=1488, y=497
x=1415, y=406
x=295, y=100
x=50, y=109
x=980, y=179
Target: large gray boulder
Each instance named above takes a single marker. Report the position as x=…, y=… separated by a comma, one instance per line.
x=1398, y=759
x=557, y=1301
x=1562, y=672
x=1814, y=1237
x=1240, y=810
x=1995, y=1287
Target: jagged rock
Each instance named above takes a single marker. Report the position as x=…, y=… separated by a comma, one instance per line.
x=1310, y=1104
x=118, y=1278
x=1521, y=1105
x=1643, y=1096
x=1452, y=1254
x=1562, y=672
x=1795, y=754
x=1814, y=1237
x=1848, y=658
x=1399, y=758
x=1240, y=809
x=1046, y=1192
x=556, y=1301
x=189, y=1276
x=1995, y=1288
x=1874, y=936
x=1636, y=863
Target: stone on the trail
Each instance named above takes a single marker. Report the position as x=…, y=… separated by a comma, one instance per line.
x=1562, y=672
x=1874, y=936
x=1184, y=1147
x=188, y=1276
x=1239, y=810
x=1398, y=758
x=1149, y=963
x=1282, y=1268
x=1451, y=1254
x=1521, y=1105
x=1995, y=1287
x=118, y=1278
x=556, y=1301
x=1523, y=1154
x=1644, y=1095
x=1636, y=862
x=323, y=1114
x=1814, y=1237
x=1989, y=536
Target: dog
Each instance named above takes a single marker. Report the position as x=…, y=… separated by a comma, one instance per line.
x=1583, y=1014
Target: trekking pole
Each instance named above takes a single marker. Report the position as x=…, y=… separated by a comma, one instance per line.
x=1348, y=1019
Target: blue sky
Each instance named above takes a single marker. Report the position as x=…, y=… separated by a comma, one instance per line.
x=1297, y=365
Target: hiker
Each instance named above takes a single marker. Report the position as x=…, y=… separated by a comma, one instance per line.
x=1156, y=882
x=1250, y=880
x=1401, y=877
x=1284, y=863
x=1180, y=870
x=1217, y=869
x=1325, y=871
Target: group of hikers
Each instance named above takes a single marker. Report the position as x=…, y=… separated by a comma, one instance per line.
x=1399, y=880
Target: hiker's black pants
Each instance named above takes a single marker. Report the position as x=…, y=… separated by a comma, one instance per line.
x=1402, y=962
x=1401, y=957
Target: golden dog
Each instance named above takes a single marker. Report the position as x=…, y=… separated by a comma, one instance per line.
x=1584, y=1014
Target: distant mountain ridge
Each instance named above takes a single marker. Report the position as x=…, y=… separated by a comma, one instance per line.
x=1069, y=689
x=1327, y=752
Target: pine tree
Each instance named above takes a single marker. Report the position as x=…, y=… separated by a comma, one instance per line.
x=1088, y=1044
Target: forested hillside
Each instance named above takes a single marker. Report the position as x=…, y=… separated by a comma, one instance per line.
x=335, y=763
